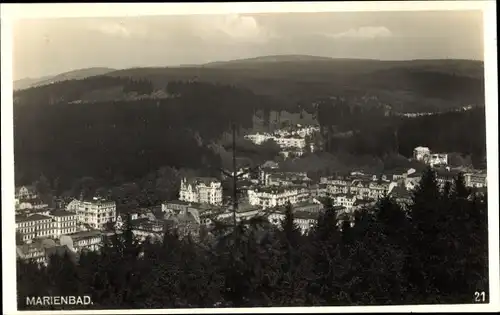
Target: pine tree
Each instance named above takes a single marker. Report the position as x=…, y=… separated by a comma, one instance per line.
x=424, y=232
x=290, y=229
x=290, y=270
x=326, y=256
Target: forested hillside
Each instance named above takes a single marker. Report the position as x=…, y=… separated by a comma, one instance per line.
x=132, y=137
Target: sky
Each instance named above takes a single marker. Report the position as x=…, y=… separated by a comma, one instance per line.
x=51, y=46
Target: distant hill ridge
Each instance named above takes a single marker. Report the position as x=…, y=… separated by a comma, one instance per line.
x=70, y=75
x=412, y=85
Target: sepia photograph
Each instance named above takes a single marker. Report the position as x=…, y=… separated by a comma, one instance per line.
x=234, y=159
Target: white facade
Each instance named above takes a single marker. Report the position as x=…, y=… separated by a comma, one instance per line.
x=201, y=190
x=421, y=153
x=65, y=222
x=26, y=193
x=49, y=225
x=338, y=188
x=96, y=213
x=259, y=138
x=291, y=142
x=305, y=221
x=346, y=201
x=269, y=197
x=35, y=226
x=437, y=159
x=475, y=180
x=412, y=182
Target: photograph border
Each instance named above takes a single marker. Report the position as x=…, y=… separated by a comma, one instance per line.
x=11, y=12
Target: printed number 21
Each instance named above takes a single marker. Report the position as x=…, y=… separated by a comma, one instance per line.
x=479, y=296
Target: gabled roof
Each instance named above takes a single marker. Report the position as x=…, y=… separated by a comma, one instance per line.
x=30, y=188
x=62, y=213
x=85, y=234
x=202, y=180
x=34, y=217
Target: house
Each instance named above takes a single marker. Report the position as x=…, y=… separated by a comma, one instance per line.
x=340, y=186
x=41, y=250
x=201, y=190
x=290, y=142
x=245, y=211
x=143, y=228
x=35, y=226
x=308, y=207
x=421, y=153
x=361, y=188
x=64, y=222
x=304, y=220
x=33, y=251
x=412, y=181
x=437, y=159
x=319, y=190
x=86, y=240
x=445, y=175
x=346, y=201
x=475, y=179
x=259, y=138
x=30, y=204
x=380, y=189
x=268, y=197
x=45, y=224
x=96, y=212
x=26, y=192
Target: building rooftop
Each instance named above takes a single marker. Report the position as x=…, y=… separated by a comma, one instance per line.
x=305, y=215
x=30, y=188
x=62, y=213
x=98, y=200
x=85, y=234
x=202, y=180
x=34, y=217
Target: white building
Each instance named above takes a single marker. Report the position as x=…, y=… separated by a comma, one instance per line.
x=304, y=220
x=412, y=181
x=340, y=187
x=201, y=190
x=34, y=226
x=47, y=225
x=26, y=193
x=305, y=131
x=291, y=142
x=437, y=159
x=85, y=240
x=476, y=180
x=268, y=197
x=421, y=153
x=259, y=138
x=96, y=212
x=65, y=222
x=347, y=201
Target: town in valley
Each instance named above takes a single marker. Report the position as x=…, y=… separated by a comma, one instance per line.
x=250, y=160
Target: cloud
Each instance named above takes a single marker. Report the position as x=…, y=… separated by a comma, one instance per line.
x=365, y=32
x=117, y=29
x=234, y=27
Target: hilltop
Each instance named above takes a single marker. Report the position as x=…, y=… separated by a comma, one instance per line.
x=414, y=85
x=70, y=75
